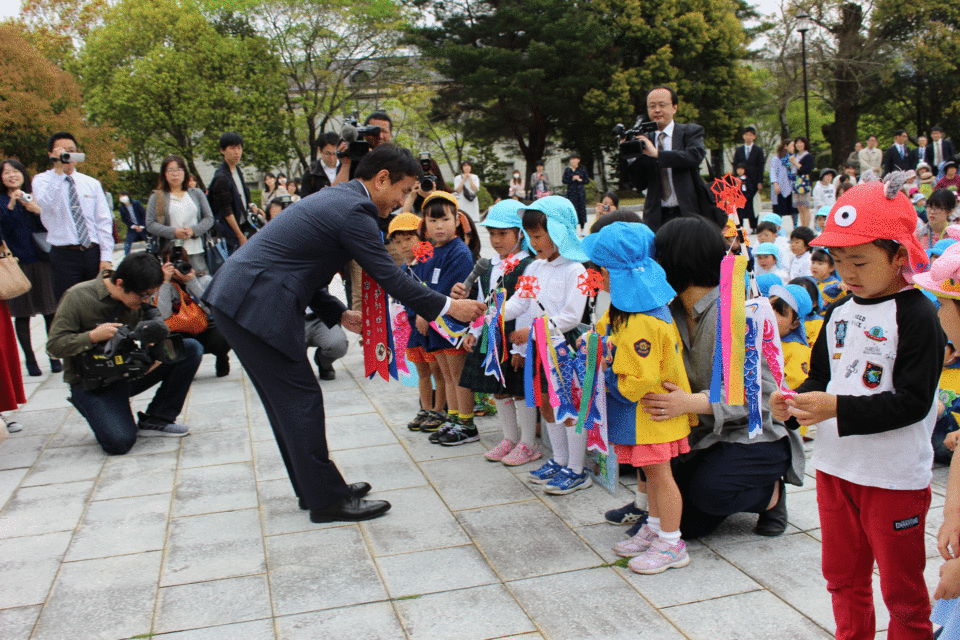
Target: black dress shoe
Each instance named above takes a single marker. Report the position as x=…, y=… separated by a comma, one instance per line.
x=353, y=509
x=357, y=490
x=773, y=522
x=328, y=374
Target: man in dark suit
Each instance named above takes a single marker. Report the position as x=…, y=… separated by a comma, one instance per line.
x=323, y=172
x=135, y=217
x=670, y=163
x=259, y=295
x=938, y=151
x=750, y=155
x=898, y=156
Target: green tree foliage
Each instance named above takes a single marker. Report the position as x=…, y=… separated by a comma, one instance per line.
x=164, y=75
x=924, y=89
x=532, y=70
x=337, y=55
x=36, y=99
x=57, y=27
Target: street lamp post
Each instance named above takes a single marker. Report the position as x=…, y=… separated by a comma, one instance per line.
x=803, y=25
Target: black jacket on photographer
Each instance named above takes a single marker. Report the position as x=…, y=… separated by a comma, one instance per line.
x=316, y=178
x=82, y=309
x=225, y=200
x=683, y=159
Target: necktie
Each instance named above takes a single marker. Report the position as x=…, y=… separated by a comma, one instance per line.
x=936, y=154
x=665, y=190
x=77, y=213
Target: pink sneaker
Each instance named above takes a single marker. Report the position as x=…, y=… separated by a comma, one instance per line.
x=522, y=454
x=498, y=452
x=637, y=544
x=660, y=557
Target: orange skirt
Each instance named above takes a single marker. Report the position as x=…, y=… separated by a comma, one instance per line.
x=642, y=455
x=418, y=355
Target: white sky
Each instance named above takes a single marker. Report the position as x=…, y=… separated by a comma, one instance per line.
x=9, y=8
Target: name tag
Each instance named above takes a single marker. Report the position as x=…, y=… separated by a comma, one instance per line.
x=436, y=277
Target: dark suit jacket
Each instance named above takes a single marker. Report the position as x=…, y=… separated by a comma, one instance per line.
x=224, y=198
x=267, y=284
x=139, y=214
x=946, y=148
x=685, y=158
x=754, y=165
x=893, y=161
x=315, y=179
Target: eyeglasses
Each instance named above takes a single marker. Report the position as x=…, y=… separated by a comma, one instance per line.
x=662, y=105
x=145, y=297
x=174, y=170
x=329, y=154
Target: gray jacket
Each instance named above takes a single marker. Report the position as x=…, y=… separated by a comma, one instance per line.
x=164, y=230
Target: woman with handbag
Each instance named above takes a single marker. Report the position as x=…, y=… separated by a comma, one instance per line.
x=179, y=306
x=20, y=223
x=176, y=212
x=467, y=186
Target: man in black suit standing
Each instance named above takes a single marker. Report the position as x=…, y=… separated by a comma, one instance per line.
x=135, y=217
x=750, y=155
x=323, y=172
x=938, y=151
x=898, y=156
x=670, y=163
x=259, y=295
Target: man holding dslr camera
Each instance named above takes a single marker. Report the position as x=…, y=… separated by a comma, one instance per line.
x=74, y=210
x=94, y=312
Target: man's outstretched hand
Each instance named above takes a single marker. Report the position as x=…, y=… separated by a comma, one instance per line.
x=467, y=310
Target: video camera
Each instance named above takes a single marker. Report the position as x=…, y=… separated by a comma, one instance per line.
x=429, y=181
x=122, y=358
x=628, y=139
x=69, y=157
x=353, y=134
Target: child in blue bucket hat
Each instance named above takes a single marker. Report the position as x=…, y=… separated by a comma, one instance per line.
x=645, y=356
x=791, y=304
x=518, y=445
x=550, y=223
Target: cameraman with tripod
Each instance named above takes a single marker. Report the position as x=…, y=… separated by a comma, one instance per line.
x=100, y=310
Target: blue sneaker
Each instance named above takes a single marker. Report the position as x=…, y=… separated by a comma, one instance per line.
x=567, y=482
x=545, y=473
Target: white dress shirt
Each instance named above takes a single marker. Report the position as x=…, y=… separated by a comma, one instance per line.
x=668, y=146
x=331, y=173
x=53, y=196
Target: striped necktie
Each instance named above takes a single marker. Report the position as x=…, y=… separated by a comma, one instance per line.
x=77, y=213
x=665, y=190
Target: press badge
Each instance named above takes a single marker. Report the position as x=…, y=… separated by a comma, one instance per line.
x=436, y=277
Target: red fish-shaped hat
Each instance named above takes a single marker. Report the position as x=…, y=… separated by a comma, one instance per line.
x=876, y=211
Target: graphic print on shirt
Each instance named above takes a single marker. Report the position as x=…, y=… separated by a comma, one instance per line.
x=852, y=368
x=841, y=333
x=875, y=333
x=872, y=375
x=642, y=347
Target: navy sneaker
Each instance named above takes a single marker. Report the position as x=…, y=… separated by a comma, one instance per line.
x=567, y=481
x=627, y=514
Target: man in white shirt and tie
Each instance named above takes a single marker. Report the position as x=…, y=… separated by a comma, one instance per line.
x=938, y=151
x=74, y=210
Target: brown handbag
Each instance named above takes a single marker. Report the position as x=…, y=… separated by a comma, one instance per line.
x=189, y=318
x=13, y=282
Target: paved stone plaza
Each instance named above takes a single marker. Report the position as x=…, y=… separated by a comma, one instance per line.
x=202, y=538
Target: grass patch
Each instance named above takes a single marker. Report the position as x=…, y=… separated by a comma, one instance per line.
x=410, y=597
x=142, y=635
x=622, y=563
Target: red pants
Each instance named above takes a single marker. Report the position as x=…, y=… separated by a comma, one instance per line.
x=859, y=525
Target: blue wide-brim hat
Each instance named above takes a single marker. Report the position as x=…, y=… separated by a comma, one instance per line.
x=940, y=247
x=625, y=250
x=506, y=215
x=774, y=218
x=561, y=226
x=797, y=297
x=767, y=280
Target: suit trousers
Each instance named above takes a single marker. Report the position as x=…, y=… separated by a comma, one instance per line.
x=71, y=266
x=293, y=401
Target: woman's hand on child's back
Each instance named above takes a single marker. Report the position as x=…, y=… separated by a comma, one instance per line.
x=676, y=402
x=949, y=587
x=458, y=292
x=520, y=336
x=422, y=325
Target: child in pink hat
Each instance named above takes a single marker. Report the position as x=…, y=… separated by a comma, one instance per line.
x=872, y=392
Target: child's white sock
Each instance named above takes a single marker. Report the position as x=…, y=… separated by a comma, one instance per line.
x=527, y=421
x=558, y=441
x=508, y=418
x=653, y=524
x=671, y=537
x=577, y=446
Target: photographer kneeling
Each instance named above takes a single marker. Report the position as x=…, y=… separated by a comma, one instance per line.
x=179, y=306
x=98, y=311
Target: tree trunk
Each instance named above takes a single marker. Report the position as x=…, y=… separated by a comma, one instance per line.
x=841, y=135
